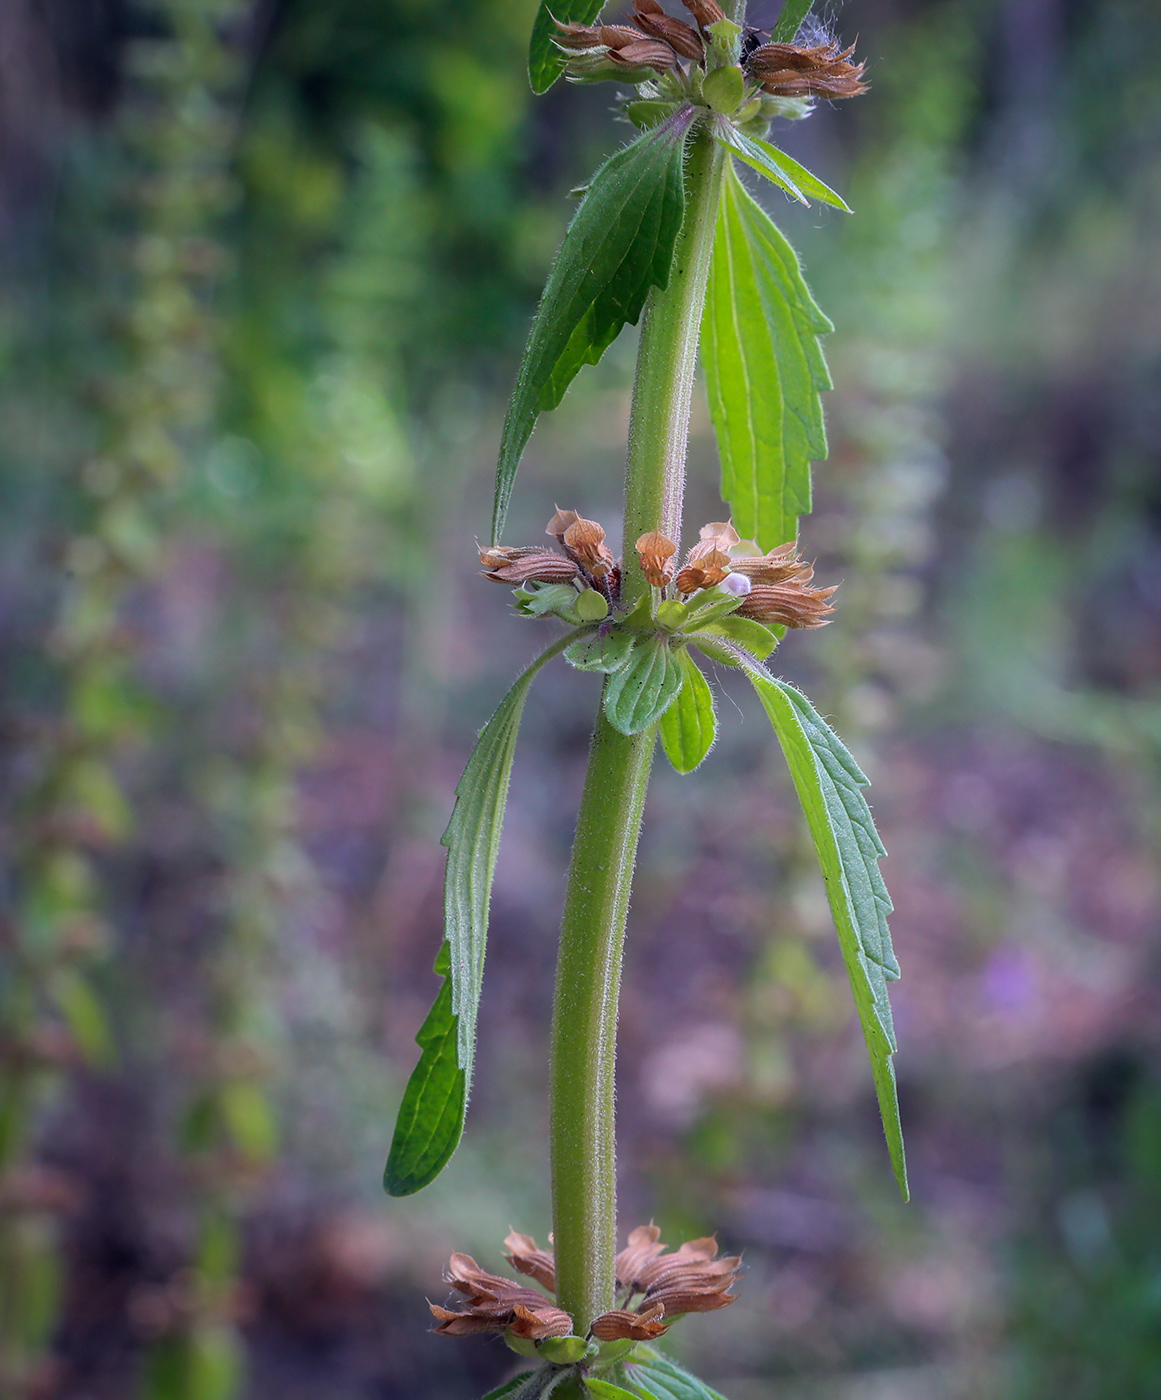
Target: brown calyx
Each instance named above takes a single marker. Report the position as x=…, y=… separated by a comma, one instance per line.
x=505, y=564
x=778, y=566
x=791, y=604
x=495, y=1304
x=623, y=45
x=656, y=553
x=584, y=541
x=794, y=70
x=525, y=1255
x=691, y=1279
x=706, y=12
x=681, y=37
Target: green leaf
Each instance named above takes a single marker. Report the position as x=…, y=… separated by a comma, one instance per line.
x=605, y=1390
x=642, y=691
x=758, y=640
x=689, y=728
x=602, y=650
x=618, y=246
x=545, y=60
x=829, y=783
x=764, y=370
x=789, y=21
x=777, y=166
x=431, y=1116
x=662, y=1379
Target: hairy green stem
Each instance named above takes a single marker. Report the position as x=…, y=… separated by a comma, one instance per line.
x=584, y=1021
x=663, y=389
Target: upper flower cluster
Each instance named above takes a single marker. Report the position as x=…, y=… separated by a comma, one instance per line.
x=656, y=43
x=690, y=1279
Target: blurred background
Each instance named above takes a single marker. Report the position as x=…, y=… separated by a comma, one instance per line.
x=267, y=267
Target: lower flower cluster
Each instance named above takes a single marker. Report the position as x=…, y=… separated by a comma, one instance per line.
x=655, y=1287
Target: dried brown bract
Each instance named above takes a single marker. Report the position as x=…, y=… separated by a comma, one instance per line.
x=656, y=554
x=793, y=70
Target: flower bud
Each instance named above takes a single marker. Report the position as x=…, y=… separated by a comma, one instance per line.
x=737, y=584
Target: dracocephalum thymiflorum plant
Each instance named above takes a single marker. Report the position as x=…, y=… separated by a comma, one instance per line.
x=666, y=230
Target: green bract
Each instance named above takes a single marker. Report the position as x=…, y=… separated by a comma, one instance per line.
x=689, y=727
x=601, y=650
x=639, y=692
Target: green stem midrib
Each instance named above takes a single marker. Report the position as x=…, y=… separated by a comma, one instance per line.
x=581, y=1076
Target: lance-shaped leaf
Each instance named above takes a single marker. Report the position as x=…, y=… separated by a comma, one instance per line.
x=829, y=784
x=689, y=727
x=661, y=1379
x=643, y=690
x=618, y=246
x=545, y=60
x=431, y=1116
x=789, y=21
x=776, y=165
x=764, y=370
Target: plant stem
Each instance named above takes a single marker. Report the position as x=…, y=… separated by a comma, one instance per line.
x=584, y=1020
x=666, y=357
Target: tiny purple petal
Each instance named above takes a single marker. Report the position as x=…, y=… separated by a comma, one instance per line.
x=737, y=584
